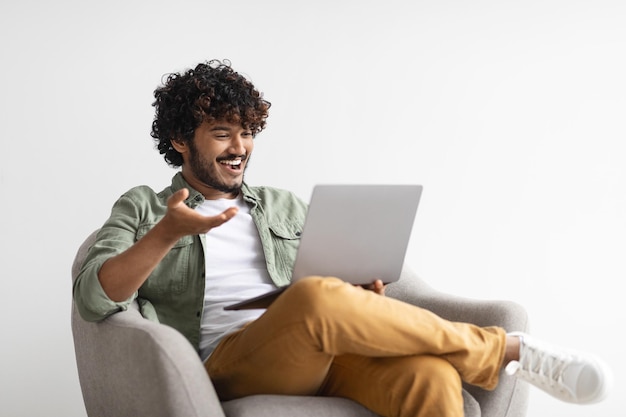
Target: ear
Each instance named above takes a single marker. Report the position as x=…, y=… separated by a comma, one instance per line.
x=180, y=145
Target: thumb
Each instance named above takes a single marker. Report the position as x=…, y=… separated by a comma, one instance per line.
x=177, y=198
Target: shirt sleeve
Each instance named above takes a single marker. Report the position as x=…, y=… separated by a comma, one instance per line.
x=116, y=235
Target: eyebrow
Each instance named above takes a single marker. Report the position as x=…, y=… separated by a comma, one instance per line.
x=220, y=128
x=227, y=129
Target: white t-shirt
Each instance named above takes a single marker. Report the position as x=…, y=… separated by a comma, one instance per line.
x=235, y=271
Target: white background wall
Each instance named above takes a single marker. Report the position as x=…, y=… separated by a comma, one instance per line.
x=510, y=113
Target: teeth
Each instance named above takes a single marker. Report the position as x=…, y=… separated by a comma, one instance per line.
x=232, y=162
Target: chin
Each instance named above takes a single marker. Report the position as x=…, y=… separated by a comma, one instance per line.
x=230, y=188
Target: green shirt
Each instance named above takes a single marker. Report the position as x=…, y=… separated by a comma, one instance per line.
x=173, y=294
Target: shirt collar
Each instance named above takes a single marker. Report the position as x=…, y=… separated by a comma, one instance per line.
x=196, y=198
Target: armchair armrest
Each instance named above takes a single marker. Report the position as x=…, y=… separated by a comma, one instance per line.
x=130, y=366
x=413, y=289
x=510, y=398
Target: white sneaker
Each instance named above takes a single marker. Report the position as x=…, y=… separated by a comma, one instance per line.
x=567, y=375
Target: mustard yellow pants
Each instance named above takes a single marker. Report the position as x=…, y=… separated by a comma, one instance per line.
x=325, y=337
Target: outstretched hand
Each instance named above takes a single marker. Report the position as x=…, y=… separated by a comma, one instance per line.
x=181, y=220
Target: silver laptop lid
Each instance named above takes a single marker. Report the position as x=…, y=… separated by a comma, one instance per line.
x=358, y=233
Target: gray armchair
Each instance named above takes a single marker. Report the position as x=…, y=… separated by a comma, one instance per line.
x=129, y=366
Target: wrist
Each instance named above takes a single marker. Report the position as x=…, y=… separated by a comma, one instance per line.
x=166, y=232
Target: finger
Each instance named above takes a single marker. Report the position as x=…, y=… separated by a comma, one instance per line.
x=224, y=216
x=378, y=287
x=177, y=198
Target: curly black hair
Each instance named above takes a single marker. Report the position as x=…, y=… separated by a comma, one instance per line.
x=210, y=92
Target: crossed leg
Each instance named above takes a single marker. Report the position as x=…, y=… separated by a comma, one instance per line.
x=326, y=337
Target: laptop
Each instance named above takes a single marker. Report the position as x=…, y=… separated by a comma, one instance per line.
x=358, y=233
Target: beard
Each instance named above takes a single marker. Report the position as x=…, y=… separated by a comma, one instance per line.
x=207, y=172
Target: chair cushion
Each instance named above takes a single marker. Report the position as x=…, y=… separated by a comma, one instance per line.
x=301, y=406
x=294, y=406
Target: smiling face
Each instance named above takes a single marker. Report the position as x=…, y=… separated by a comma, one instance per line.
x=215, y=160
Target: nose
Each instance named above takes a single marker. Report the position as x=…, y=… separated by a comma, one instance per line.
x=237, y=145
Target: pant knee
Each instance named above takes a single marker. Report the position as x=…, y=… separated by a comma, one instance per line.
x=440, y=372
x=415, y=386
x=314, y=295
x=437, y=387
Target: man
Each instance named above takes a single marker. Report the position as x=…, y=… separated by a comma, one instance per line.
x=209, y=240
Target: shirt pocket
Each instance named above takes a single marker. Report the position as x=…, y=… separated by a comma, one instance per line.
x=286, y=238
x=171, y=275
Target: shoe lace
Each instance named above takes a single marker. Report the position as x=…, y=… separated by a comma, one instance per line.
x=541, y=368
